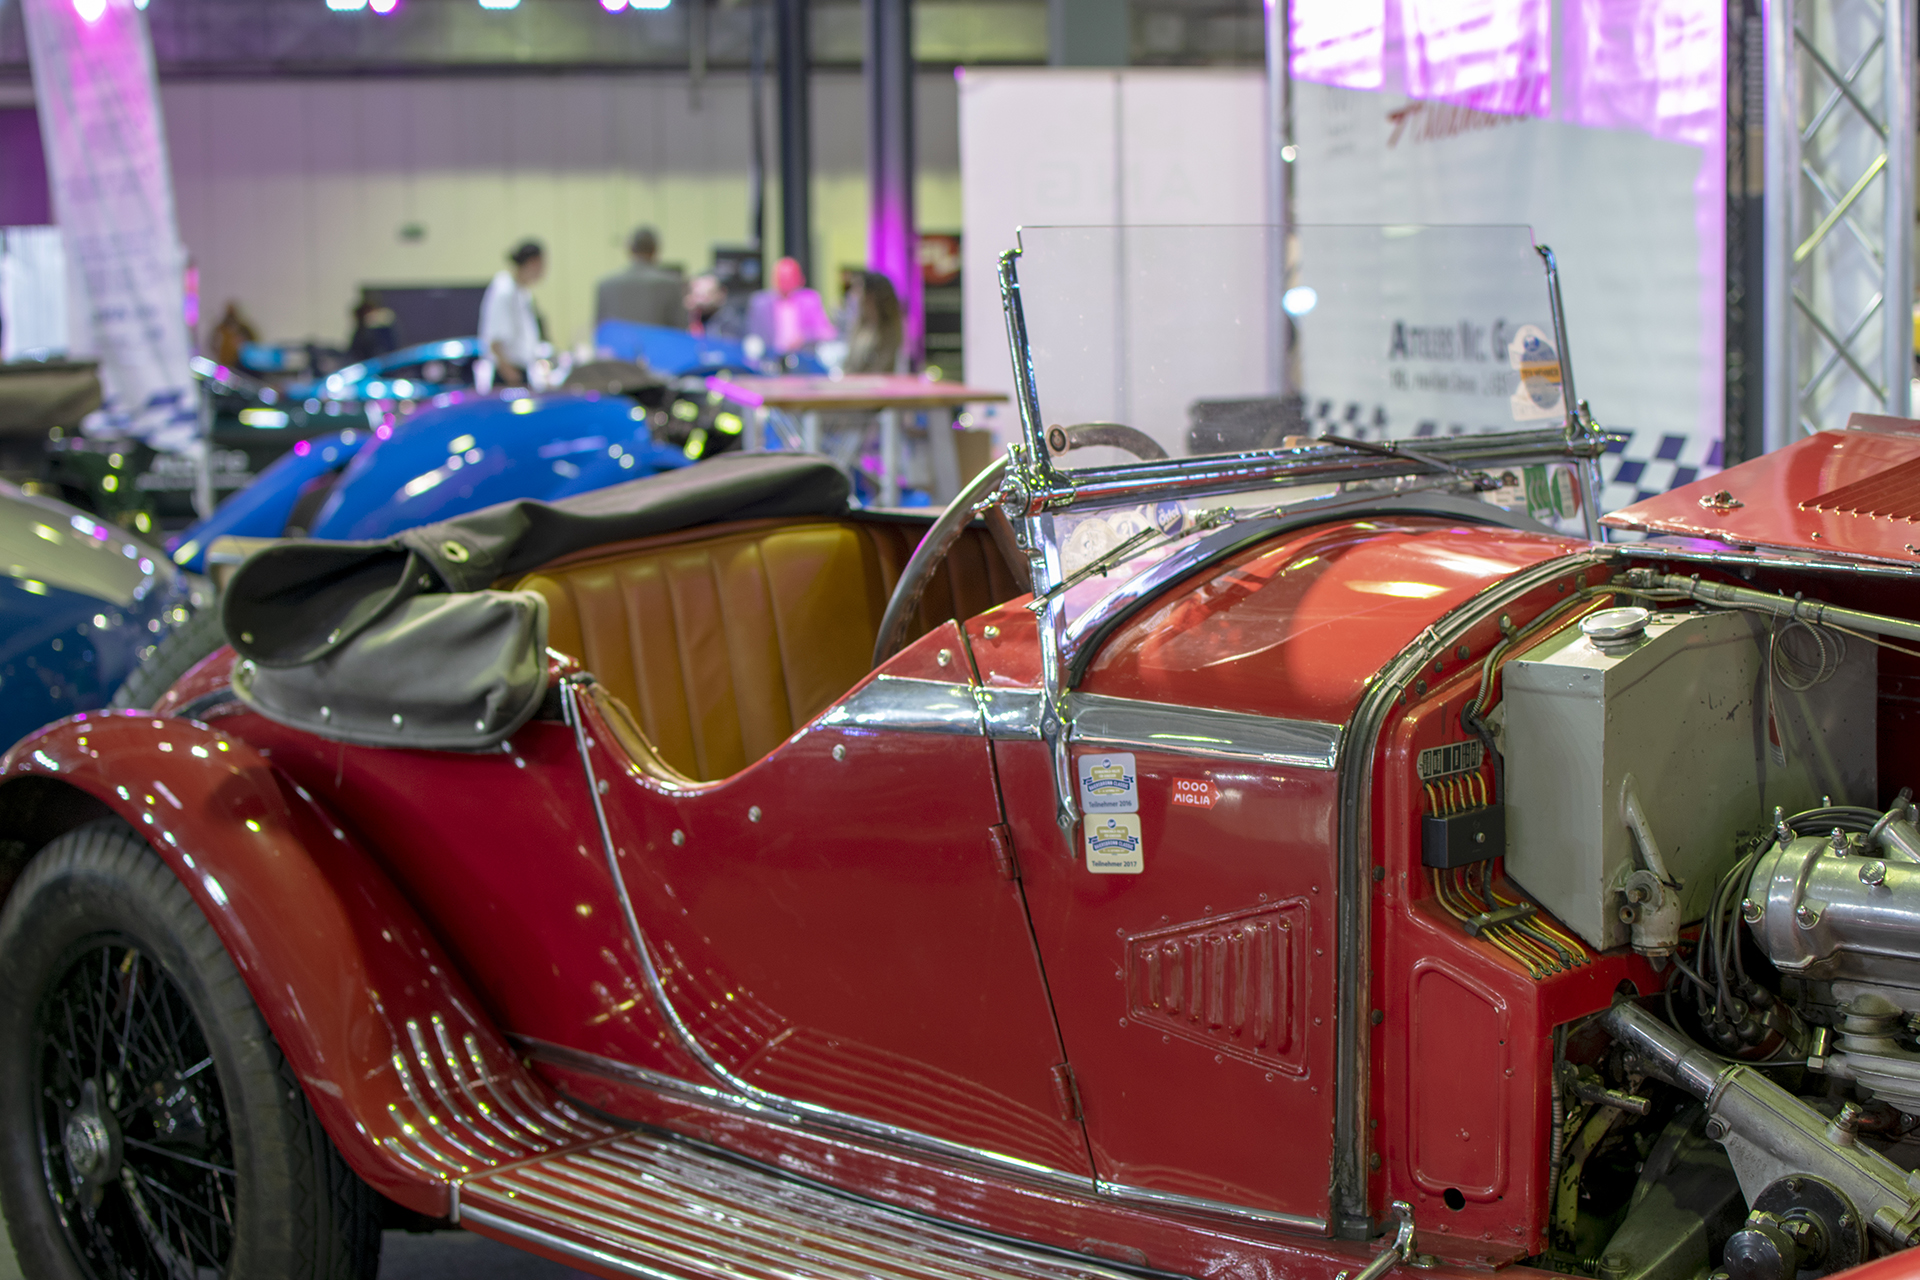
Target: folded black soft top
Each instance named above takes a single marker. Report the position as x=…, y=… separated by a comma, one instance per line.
x=295, y=602
x=401, y=643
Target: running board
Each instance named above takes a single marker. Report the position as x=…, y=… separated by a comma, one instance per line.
x=651, y=1206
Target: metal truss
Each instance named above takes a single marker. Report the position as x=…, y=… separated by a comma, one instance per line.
x=1839, y=213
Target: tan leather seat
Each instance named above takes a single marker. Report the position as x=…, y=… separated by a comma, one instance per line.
x=723, y=640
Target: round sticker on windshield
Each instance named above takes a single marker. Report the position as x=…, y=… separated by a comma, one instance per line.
x=1534, y=357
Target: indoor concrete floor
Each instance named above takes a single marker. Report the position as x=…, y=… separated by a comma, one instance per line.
x=444, y=1255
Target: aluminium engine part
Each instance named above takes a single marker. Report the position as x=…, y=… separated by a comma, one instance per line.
x=1634, y=756
x=1799, y=1226
x=1770, y=1134
x=1839, y=915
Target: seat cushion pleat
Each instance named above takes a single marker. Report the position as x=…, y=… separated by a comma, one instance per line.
x=706, y=668
x=760, y=698
x=823, y=614
x=659, y=693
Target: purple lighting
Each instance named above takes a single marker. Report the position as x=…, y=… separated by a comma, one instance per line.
x=1491, y=55
x=1340, y=42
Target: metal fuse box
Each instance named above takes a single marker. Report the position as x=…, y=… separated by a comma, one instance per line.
x=1680, y=716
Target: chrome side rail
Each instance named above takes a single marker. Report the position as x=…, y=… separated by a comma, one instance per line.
x=902, y=704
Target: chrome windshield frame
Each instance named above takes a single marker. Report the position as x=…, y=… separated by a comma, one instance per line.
x=1034, y=491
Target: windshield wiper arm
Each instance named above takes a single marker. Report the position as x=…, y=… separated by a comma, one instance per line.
x=1480, y=480
x=1139, y=542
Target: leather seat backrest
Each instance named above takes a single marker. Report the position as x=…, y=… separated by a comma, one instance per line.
x=722, y=641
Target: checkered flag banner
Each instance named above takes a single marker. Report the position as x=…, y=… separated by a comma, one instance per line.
x=1638, y=465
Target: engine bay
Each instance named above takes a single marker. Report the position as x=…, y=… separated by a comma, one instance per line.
x=1690, y=773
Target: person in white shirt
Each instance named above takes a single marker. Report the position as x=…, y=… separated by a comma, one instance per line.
x=509, y=331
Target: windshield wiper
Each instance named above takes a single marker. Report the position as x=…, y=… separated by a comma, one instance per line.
x=1149, y=537
x=1480, y=480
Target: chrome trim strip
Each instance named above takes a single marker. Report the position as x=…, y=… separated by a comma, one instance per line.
x=793, y=1108
x=433, y=1121
x=594, y=1064
x=420, y=1143
x=513, y=1132
x=505, y=1104
x=1217, y=474
x=1216, y=1208
x=764, y=1236
x=1354, y=902
x=565, y=1248
x=1198, y=731
x=648, y=1200
x=453, y=1110
x=1759, y=557
x=1011, y=715
x=906, y=704
x=900, y=704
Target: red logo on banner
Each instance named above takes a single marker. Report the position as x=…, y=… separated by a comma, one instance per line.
x=1198, y=793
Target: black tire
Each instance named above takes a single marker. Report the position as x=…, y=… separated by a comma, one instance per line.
x=178, y=652
x=203, y=1150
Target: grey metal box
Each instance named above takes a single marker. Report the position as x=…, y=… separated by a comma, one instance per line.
x=1684, y=716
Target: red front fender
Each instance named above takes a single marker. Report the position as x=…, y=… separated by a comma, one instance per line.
x=410, y=1079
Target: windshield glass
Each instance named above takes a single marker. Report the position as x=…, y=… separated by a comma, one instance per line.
x=1189, y=336
x=1399, y=332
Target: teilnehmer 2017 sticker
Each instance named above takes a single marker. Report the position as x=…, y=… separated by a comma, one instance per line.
x=1114, y=846
x=1108, y=784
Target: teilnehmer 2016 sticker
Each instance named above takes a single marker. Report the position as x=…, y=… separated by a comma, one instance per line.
x=1114, y=846
x=1108, y=784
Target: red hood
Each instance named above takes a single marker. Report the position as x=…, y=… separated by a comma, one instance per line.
x=1848, y=493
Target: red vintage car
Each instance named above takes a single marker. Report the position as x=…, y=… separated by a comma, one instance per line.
x=1286, y=861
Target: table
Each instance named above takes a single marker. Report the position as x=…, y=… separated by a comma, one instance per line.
x=884, y=394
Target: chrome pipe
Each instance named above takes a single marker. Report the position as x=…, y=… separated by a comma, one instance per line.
x=1797, y=608
x=1751, y=1114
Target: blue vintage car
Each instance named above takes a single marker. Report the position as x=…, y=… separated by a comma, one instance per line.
x=452, y=457
x=81, y=605
x=444, y=460
x=419, y=372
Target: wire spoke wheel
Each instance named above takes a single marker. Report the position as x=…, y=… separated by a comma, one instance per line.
x=135, y=1142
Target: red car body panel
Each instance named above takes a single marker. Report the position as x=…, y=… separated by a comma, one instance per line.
x=337, y=959
x=834, y=930
x=1187, y=1098
x=1851, y=492
x=1296, y=627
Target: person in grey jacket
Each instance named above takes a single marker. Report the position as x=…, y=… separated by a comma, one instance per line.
x=645, y=293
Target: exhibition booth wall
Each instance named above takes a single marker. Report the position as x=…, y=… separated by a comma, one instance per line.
x=1483, y=124
x=291, y=192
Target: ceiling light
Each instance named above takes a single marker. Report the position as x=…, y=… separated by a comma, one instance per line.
x=613, y=6
x=648, y=4
x=346, y=6
x=90, y=10
x=385, y=6
x=499, y=4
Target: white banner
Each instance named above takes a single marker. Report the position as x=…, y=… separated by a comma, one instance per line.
x=113, y=198
x=1444, y=114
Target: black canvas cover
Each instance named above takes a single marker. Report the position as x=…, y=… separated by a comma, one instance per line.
x=298, y=607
